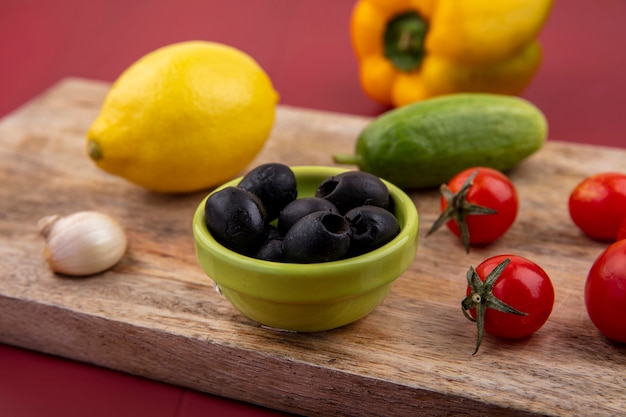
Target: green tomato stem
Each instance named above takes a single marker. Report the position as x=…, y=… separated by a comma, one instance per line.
x=481, y=298
x=458, y=208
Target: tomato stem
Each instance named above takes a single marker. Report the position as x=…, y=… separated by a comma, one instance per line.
x=481, y=298
x=458, y=208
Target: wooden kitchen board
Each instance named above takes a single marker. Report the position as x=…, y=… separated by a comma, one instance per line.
x=157, y=315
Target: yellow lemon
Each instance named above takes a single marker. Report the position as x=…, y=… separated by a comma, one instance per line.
x=185, y=117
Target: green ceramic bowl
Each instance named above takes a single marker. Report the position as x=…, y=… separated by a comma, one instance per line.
x=309, y=297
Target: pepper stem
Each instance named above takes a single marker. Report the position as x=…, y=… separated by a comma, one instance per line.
x=404, y=40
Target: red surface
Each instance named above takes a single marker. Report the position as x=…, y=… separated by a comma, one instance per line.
x=305, y=48
x=34, y=384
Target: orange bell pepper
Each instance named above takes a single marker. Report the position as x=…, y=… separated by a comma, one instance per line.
x=410, y=50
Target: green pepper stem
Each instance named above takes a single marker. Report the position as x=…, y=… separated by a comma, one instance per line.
x=404, y=40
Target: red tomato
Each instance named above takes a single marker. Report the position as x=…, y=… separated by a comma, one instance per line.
x=489, y=189
x=597, y=205
x=621, y=233
x=605, y=292
x=522, y=285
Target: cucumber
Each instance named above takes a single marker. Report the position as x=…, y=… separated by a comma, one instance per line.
x=426, y=143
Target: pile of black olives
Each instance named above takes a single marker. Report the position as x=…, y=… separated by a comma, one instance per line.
x=262, y=217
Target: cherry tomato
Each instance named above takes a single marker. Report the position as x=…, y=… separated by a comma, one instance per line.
x=598, y=203
x=621, y=233
x=605, y=292
x=478, y=205
x=513, y=295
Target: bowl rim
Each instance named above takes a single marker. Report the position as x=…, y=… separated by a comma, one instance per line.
x=300, y=270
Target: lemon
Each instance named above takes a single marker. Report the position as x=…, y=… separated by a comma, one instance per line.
x=185, y=117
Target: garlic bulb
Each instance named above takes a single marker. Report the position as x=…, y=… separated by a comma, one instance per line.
x=83, y=243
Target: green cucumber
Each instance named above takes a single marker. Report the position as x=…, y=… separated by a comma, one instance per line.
x=426, y=143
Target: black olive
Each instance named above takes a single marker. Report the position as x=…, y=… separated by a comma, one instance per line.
x=273, y=233
x=353, y=189
x=236, y=219
x=317, y=237
x=272, y=248
x=297, y=209
x=274, y=184
x=372, y=227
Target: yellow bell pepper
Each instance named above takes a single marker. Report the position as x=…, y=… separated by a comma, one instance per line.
x=410, y=50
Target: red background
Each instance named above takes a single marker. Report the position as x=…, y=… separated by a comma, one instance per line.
x=305, y=48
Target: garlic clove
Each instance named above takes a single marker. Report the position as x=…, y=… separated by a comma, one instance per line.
x=83, y=243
